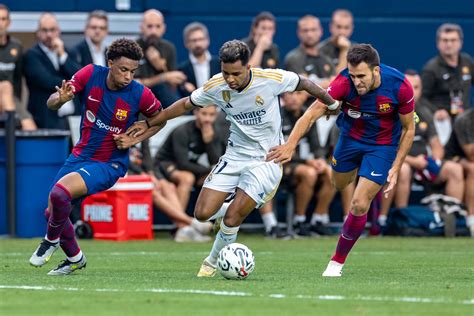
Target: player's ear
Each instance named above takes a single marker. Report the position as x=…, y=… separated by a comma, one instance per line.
x=110, y=62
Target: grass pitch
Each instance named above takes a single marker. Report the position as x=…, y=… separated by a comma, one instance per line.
x=382, y=276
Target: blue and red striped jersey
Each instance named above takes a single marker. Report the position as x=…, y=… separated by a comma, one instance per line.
x=373, y=118
x=106, y=113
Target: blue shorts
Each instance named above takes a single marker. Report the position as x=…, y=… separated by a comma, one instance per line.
x=98, y=176
x=373, y=161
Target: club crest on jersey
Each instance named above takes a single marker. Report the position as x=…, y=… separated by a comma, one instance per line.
x=226, y=95
x=384, y=107
x=259, y=100
x=333, y=161
x=121, y=114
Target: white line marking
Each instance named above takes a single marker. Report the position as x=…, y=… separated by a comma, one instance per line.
x=248, y=294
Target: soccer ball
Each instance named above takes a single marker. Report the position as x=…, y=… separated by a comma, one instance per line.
x=235, y=261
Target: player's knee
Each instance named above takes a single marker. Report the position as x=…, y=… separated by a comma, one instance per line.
x=359, y=206
x=308, y=174
x=201, y=212
x=232, y=220
x=59, y=194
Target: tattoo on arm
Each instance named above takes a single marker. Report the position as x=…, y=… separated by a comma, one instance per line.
x=315, y=90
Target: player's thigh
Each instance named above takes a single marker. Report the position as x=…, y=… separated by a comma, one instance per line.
x=75, y=184
x=377, y=162
x=341, y=180
x=209, y=202
x=364, y=193
x=261, y=181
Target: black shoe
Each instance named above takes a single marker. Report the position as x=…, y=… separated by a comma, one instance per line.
x=321, y=229
x=302, y=229
x=277, y=233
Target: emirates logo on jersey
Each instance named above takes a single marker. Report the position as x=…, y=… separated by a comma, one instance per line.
x=121, y=115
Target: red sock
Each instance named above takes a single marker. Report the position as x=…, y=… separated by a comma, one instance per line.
x=351, y=230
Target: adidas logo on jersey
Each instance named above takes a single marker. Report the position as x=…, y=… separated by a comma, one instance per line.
x=229, y=106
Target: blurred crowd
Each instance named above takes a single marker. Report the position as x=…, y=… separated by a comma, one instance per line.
x=441, y=159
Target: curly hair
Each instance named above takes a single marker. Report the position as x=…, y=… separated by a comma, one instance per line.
x=233, y=51
x=124, y=47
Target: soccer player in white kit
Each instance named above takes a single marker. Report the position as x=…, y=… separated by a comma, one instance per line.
x=249, y=97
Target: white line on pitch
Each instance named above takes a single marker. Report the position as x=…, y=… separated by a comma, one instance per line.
x=240, y=294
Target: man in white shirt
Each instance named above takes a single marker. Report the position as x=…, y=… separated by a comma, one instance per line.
x=201, y=65
x=92, y=49
x=46, y=65
x=249, y=97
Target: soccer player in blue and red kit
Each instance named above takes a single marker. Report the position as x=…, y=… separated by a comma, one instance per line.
x=377, y=129
x=111, y=102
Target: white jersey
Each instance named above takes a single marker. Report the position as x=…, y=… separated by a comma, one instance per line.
x=254, y=113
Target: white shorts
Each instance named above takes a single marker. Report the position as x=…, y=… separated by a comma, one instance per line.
x=259, y=179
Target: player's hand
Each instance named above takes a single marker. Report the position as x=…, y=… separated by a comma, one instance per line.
x=66, y=92
x=391, y=180
x=280, y=154
x=123, y=141
x=189, y=87
x=137, y=129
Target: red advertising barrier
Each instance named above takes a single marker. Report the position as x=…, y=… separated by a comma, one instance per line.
x=123, y=212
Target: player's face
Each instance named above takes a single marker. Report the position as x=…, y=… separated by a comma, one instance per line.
x=197, y=43
x=122, y=71
x=264, y=27
x=97, y=30
x=415, y=82
x=363, y=77
x=4, y=22
x=309, y=32
x=341, y=25
x=205, y=115
x=235, y=74
x=449, y=43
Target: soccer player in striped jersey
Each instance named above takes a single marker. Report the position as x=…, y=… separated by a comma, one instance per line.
x=111, y=102
x=249, y=97
x=377, y=129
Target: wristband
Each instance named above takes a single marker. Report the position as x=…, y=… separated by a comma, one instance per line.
x=147, y=124
x=333, y=106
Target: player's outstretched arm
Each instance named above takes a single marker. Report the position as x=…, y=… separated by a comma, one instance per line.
x=176, y=109
x=124, y=141
x=406, y=140
x=318, y=92
x=61, y=96
x=283, y=153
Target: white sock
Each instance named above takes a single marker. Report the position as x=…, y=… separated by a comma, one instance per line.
x=221, y=212
x=225, y=236
x=54, y=241
x=201, y=227
x=470, y=220
x=322, y=218
x=269, y=220
x=76, y=258
x=299, y=219
x=382, y=220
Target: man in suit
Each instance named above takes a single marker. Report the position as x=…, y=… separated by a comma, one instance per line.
x=201, y=65
x=46, y=65
x=91, y=50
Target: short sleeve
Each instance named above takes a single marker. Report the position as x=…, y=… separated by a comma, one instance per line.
x=80, y=78
x=406, y=98
x=286, y=81
x=149, y=104
x=201, y=98
x=339, y=88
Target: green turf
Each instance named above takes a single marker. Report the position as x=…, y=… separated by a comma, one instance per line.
x=383, y=276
